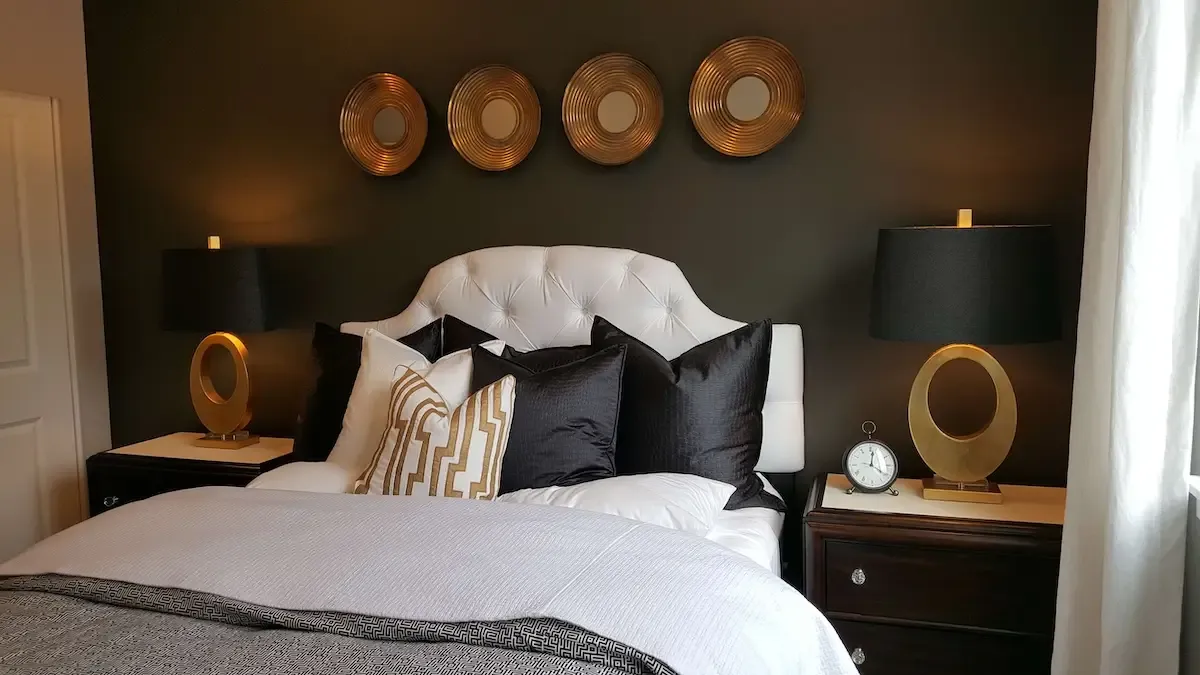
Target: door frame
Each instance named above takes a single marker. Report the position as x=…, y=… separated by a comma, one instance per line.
x=69, y=296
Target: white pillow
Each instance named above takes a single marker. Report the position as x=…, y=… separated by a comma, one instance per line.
x=382, y=360
x=429, y=448
x=306, y=477
x=674, y=500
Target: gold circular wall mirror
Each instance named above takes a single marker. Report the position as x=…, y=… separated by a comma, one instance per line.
x=383, y=124
x=612, y=109
x=747, y=96
x=494, y=117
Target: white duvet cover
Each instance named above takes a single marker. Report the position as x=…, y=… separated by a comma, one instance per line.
x=698, y=606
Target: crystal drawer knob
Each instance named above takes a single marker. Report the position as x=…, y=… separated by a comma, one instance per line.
x=110, y=502
x=858, y=577
x=858, y=657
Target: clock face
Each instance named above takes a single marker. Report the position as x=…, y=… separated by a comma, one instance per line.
x=871, y=466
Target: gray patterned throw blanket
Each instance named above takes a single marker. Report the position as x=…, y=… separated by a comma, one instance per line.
x=53, y=624
x=238, y=581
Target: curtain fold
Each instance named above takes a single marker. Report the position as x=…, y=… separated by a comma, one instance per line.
x=1121, y=580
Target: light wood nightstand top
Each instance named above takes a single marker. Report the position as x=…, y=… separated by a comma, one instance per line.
x=179, y=446
x=1022, y=503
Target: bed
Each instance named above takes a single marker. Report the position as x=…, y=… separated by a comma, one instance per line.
x=295, y=575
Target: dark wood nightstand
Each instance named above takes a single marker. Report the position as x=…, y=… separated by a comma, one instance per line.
x=168, y=463
x=920, y=586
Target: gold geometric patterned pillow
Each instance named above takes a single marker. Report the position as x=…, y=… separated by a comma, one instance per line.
x=427, y=449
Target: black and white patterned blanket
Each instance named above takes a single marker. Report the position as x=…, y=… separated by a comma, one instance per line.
x=57, y=624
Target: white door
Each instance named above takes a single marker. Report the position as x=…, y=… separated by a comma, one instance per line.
x=39, y=459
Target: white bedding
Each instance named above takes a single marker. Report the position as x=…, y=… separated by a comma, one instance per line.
x=753, y=532
x=697, y=606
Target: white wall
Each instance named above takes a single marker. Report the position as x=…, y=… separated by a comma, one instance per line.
x=41, y=52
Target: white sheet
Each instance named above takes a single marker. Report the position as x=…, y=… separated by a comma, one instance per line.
x=753, y=532
x=697, y=606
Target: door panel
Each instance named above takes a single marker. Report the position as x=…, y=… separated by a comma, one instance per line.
x=20, y=484
x=14, y=330
x=39, y=457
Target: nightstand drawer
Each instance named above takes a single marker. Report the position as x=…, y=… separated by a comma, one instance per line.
x=110, y=487
x=902, y=650
x=948, y=586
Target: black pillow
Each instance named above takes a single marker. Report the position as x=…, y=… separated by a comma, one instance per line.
x=338, y=355
x=700, y=413
x=564, y=426
x=458, y=334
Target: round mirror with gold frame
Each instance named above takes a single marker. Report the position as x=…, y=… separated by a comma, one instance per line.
x=612, y=109
x=494, y=117
x=383, y=124
x=747, y=96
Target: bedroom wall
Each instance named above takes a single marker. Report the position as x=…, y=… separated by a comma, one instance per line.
x=222, y=119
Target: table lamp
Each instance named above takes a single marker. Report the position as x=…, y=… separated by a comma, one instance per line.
x=965, y=286
x=213, y=290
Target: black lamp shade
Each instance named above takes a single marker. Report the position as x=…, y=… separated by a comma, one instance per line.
x=978, y=285
x=209, y=290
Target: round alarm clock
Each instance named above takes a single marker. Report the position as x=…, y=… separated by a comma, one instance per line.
x=870, y=465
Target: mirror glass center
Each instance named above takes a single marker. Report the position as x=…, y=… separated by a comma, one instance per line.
x=390, y=126
x=748, y=98
x=616, y=112
x=499, y=119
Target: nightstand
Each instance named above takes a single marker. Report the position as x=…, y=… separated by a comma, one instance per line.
x=920, y=586
x=171, y=462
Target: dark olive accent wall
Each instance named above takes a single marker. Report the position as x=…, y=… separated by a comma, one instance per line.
x=221, y=118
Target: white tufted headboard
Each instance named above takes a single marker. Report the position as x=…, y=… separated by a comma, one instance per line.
x=533, y=297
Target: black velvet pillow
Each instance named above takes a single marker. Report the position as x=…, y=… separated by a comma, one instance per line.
x=458, y=334
x=338, y=355
x=700, y=413
x=564, y=426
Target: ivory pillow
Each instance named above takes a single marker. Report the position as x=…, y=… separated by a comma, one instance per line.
x=428, y=448
x=383, y=359
x=673, y=500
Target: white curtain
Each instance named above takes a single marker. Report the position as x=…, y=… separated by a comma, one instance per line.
x=1121, y=581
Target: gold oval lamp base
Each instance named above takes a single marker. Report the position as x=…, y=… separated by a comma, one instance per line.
x=962, y=463
x=225, y=418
